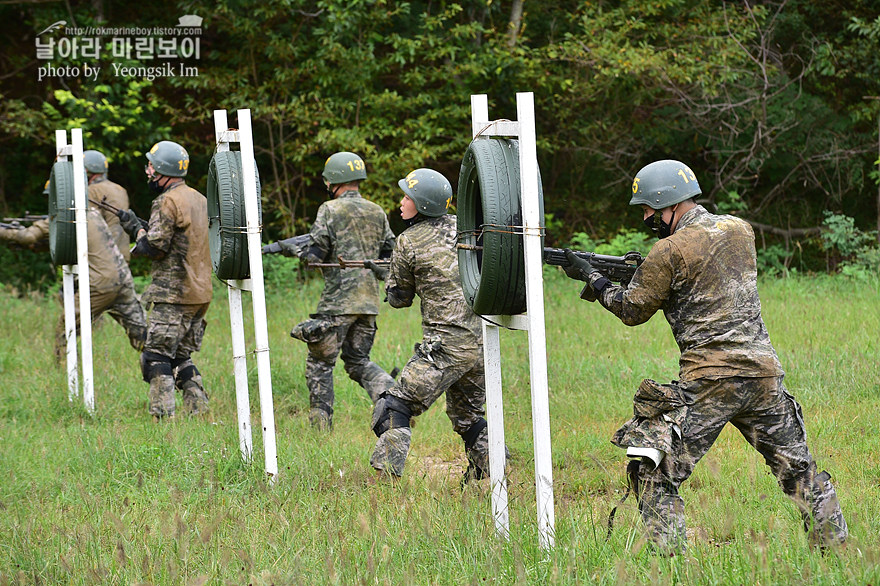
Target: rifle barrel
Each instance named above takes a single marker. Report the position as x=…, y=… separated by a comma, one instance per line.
x=104, y=204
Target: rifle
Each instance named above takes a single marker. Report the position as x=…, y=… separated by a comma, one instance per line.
x=294, y=247
x=618, y=269
x=14, y=226
x=346, y=264
x=106, y=206
x=26, y=218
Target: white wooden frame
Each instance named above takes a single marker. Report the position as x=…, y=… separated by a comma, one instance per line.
x=244, y=136
x=532, y=321
x=80, y=272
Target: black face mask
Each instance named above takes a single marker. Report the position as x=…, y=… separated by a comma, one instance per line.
x=658, y=226
x=154, y=186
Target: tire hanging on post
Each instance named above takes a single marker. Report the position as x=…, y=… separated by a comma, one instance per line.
x=227, y=220
x=491, y=257
x=62, y=215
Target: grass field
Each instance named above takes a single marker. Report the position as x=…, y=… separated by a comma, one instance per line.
x=115, y=499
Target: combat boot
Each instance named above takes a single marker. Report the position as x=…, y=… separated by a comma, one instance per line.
x=320, y=419
x=162, y=396
x=195, y=399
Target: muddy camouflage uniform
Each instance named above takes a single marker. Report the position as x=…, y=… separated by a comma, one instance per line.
x=103, y=190
x=449, y=358
x=111, y=288
x=180, y=293
x=704, y=278
x=344, y=324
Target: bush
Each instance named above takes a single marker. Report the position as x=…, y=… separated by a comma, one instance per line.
x=622, y=242
x=852, y=251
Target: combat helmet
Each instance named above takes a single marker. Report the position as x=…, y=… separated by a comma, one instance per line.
x=429, y=190
x=169, y=159
x=95, y=162
x=344, y=167
x=664, y=183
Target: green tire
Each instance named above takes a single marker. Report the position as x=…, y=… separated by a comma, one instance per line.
x=227, y=221
x=490, y=219
x=62, y=216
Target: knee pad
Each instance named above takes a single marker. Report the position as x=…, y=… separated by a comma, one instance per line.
x=184, y=370
x=153, y=364
x=390, y=412
x=472, y=434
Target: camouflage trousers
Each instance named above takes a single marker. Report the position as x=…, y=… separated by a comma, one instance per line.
x=175, y=332
x=771, y=421
x=459, y=374
x=123, y=306
x=351, y=338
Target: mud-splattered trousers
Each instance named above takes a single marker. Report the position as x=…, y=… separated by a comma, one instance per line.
x=770, y=419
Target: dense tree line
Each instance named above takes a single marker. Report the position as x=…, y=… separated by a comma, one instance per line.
x=773, y=104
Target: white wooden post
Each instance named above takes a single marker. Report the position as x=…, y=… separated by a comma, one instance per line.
x=244, y=137
x=80, y=272
x=532, y=321
x=82, y=261
x=236, y=322
x=68, y=272
x=258, y=295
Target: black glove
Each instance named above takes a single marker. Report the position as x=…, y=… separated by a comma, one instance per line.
x=381, y=271
x=578, y=269
x=273, y=248
x=130, y=223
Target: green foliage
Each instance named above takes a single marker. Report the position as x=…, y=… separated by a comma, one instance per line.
x=282, y=273
x=773, y=260
x=621, y=243
x=730, y=202
x=764, y=101
x=122, y=120
x=24, y=270
x=854, y=251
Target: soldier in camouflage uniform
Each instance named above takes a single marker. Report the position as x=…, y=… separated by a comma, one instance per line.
x=344, y=323
x=449, y=358
x=176, y=240
x=102, y=190
x=702, y=274
x=111, y=287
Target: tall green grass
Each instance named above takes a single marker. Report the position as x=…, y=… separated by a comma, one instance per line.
x=114, y=498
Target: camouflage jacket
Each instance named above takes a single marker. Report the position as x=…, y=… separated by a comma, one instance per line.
x=425, y=263
x=704, y=278
x=102, y=190
x=178, y=229
x=107, y=269
x=355, y=229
